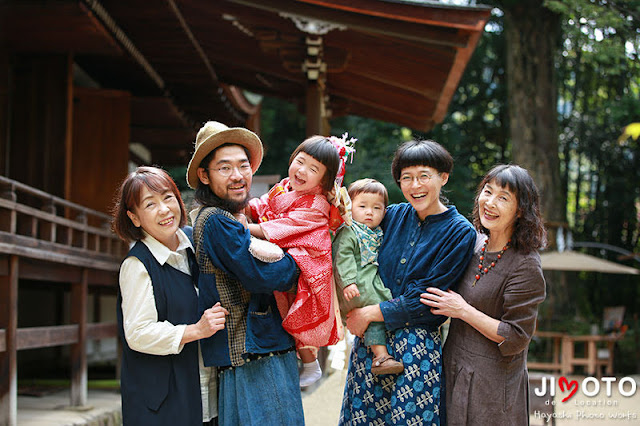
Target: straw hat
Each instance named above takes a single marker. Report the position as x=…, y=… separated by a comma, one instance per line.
x=212, y=135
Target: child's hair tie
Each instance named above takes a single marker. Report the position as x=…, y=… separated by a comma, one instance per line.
x=345, y=148
x=341, y=209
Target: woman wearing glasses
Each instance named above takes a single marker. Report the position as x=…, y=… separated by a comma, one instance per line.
x=427, y=244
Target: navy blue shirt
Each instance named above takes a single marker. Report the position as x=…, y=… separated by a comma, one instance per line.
x=418, y=254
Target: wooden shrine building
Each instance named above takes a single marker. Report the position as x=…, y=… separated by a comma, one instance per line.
x=88, y=87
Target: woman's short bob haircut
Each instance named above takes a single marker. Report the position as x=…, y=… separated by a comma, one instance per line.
x=420, y=153
x=529, y=233
x=322, y=150
x=368, y=186
x=128, y=199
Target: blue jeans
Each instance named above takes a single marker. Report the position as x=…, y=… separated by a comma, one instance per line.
x=261, y=392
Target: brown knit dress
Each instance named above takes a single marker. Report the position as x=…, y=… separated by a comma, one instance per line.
x=487, y=383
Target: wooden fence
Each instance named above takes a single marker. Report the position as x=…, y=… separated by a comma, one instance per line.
x=49, y=239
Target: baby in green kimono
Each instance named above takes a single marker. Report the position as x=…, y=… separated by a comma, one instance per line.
x=355, y=255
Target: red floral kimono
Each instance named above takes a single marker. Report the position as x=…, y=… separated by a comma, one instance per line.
x=300, y=223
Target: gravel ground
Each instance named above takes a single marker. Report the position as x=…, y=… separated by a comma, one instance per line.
x=322, y=404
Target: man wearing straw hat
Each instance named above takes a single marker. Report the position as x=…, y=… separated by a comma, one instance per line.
x=258, y=373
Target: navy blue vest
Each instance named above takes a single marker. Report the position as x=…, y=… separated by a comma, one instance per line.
x=163, y=390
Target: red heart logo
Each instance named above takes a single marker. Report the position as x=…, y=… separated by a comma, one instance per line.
x=570, y=385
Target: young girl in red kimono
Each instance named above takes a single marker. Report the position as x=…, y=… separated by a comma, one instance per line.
x=296, y=215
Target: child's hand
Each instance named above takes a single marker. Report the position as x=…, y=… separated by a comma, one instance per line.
x=331, y=195
x=242, y=219
x=248, y=214
x=351, y=291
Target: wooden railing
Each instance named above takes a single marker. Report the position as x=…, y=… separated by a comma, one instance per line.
x=38, y=225
x=46, y=238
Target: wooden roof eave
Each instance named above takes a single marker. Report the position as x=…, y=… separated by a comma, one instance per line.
x=383, y=97
x=239, y=100
x=453, y=16
x=354, y=107
x=452, y=27
x=193, y=104
x=450, y=86
x=261, y=83
x=53, y=27
x=373, y=24
x=395, y=61
x=363, y=108
x=243, y=55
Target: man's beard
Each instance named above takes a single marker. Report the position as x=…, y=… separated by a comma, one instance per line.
x=204, y=196
x=232, y=206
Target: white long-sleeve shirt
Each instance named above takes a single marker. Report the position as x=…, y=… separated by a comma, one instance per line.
x=142, y=330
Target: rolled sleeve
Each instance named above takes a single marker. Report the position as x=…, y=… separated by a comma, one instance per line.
x=395, y=313
x=525, y=290
x=142, y=330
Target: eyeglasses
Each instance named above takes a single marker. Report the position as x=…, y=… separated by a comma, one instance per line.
x=423, y=178
x=226, y=171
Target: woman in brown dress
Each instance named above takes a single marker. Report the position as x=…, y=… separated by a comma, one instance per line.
x=494, y=311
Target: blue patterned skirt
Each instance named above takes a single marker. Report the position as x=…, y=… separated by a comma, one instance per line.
x=411, y=398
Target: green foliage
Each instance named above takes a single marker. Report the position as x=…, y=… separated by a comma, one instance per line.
x=599, y=76
x=625, y=357
x=179, y=173
x=598, y=80
x=282, y=130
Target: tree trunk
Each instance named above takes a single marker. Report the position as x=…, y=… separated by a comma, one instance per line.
x=532, y=34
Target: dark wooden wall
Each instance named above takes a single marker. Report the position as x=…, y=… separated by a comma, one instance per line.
x=76, y=150
x=39, y=116
x=99, y=146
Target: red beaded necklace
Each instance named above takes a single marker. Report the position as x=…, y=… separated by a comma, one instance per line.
x=485, y=269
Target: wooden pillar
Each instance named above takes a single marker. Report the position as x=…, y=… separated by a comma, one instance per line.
x=314, y=108
x=4, y=111
x=315, y=70
x=8, y=357
x=567, y=356
x=79, y=300
x=96, y=317
x=253, y=121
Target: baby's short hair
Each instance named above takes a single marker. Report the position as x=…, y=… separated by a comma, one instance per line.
x=368, y=186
